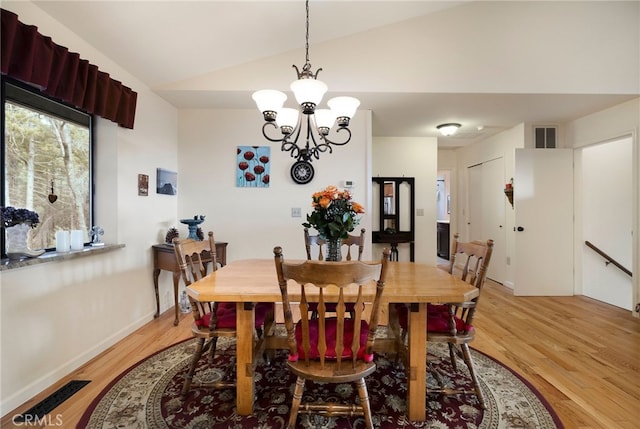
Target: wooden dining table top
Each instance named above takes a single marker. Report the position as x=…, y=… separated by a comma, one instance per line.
x=255, y=280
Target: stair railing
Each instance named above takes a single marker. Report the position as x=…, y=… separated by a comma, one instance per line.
x=608, y=259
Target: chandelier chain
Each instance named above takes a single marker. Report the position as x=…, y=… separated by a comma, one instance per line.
x=306, y=46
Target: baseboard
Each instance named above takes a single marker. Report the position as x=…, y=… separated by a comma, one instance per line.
x=20, y=397
x=509, y=285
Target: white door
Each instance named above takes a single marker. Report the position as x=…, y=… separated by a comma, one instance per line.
x=543, y=201
x=486, y=212
x=474, y=217
x=493, y=216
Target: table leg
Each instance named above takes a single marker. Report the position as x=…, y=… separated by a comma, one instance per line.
x=176, y=285
x=245, y=387
x=417, y=362
x=156, y=274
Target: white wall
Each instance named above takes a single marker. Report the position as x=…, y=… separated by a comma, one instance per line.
x=254, y=220
x=418, y=158
x=56, y=316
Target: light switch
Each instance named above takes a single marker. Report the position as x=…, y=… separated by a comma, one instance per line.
x=420, y=212
x=296, y=212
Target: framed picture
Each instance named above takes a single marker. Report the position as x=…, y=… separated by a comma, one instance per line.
x=166, y=182
x=143, y=185
x=253, y=165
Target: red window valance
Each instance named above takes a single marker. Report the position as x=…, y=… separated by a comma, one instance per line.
x=33, y=58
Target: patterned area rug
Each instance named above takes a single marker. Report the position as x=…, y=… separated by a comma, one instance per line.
x=148, y=396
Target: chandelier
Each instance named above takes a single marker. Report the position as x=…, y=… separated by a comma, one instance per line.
x=308, y=92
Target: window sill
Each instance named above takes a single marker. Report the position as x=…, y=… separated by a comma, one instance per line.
x=10, y=264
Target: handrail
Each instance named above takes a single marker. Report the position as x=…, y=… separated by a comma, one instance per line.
x=609, y=259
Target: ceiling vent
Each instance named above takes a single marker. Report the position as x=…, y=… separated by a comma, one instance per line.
x=545, y=137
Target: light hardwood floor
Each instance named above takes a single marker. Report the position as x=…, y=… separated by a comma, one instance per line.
x=581, y=354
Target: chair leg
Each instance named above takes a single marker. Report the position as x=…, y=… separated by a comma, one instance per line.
x=476, y=385
x=295, y=405
x=269, y=331
x=192, y=367
x=212, y=351
x=452, y=356
x=364, y=402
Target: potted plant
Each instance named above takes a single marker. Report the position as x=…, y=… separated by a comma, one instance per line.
x=18, y=222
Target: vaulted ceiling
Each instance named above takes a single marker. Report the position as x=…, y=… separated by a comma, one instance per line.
x=414, y=64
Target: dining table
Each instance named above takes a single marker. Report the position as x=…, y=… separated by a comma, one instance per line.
x=248, y=281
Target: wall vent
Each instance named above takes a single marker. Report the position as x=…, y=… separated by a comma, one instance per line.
x=545, y=137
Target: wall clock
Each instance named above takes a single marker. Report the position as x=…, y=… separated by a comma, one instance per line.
x=302, y=172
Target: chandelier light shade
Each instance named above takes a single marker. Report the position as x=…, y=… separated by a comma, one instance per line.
x=308, y=92
x=448, y=129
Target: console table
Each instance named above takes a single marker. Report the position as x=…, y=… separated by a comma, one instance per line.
x=164, y=258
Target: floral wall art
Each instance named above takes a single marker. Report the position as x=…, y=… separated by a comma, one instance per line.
x=253, y=166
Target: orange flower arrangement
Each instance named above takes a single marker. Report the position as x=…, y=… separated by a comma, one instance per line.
x=334, y=213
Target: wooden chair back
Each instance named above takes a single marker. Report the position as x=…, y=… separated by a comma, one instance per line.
x=352, y=241
x=470, y=261
x=320, y=282
x=210, y=319
x=193, y=257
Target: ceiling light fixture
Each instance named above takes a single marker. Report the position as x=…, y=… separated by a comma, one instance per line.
x=448, y=129
x=308, y=92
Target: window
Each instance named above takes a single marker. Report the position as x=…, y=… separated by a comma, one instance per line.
x=46, y=162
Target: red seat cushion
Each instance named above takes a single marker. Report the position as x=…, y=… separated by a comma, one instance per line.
x=403, y=312
x=437, y=307
x=331, y=330
x=261, y=312
x=226, y=315
x=331, y=306
x=440, y=323
x=437, y=319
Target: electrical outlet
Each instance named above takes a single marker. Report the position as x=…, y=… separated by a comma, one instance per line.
x=296, y=212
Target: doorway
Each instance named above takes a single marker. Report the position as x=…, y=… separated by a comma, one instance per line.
x=607, y=218
x=443, y=215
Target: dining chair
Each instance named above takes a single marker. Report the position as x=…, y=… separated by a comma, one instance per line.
x=331, y=349
x=452, y=323
x=315, y=243
x=212, y=320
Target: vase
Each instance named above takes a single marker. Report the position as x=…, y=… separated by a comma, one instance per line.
x=333, y=249
x=17, y=247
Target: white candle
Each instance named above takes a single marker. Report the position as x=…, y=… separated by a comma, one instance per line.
x=62, y=241
x=77, y=240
